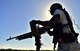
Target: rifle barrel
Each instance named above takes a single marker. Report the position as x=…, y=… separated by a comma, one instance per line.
x=10, y=38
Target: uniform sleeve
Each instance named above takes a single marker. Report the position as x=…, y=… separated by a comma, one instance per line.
x=54, y=20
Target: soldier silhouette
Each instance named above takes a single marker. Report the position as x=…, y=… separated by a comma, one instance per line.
x=63, y=32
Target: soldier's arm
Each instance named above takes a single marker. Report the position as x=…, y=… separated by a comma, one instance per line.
x=53, y=22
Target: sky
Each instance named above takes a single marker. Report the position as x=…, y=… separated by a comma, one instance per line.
x=15, y=16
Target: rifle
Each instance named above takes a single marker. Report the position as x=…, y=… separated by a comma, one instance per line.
x=20, y=37
x=27, y=35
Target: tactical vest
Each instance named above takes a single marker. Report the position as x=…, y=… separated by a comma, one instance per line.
x=65, y=37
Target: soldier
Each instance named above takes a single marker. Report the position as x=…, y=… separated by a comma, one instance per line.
x=63, y=32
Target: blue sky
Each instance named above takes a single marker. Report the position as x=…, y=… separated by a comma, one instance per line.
x=15, y=16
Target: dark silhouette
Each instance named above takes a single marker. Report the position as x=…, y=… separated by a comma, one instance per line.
x=61, y=24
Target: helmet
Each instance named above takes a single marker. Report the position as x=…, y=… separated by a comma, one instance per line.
x=55, y=6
